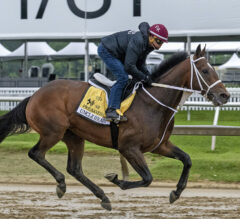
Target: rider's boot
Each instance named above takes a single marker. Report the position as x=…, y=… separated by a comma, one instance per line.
x=112, y=115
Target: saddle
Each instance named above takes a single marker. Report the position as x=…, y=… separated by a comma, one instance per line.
x=95, y=101
x=100, y=81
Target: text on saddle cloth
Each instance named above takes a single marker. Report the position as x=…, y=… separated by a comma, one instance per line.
x=95, y=103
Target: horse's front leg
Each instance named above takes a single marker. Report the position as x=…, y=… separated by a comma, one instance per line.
x=135, y=157
x=170, y=150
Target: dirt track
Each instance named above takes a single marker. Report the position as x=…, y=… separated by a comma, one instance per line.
x=35, y=201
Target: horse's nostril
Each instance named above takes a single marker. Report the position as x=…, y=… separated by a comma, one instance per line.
x=225, y=96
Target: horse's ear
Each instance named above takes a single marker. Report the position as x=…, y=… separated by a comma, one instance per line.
x=203, y=51
x=198, y=51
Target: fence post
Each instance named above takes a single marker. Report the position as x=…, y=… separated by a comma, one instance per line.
x=188, y=114
x=215, y=122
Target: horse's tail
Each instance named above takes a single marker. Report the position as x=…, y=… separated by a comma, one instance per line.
x=14, y=122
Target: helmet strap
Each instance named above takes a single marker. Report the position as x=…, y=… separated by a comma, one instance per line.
x=154, y=46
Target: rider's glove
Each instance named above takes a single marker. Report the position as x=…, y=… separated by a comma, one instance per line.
x=147, y=80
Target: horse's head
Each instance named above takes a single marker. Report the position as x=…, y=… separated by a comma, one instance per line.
x=206, y=79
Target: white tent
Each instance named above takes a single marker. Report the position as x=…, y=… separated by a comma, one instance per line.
x=223, y=47
x=154, y=58
x=75, y=50
x=232, y=63
x=35, y=50
x=211, y=47
x=172, y=47
x=3, y=51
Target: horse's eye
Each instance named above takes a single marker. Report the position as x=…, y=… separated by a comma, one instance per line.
x=205, y=71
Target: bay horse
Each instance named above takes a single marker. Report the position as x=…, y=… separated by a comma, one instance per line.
x=51, y=112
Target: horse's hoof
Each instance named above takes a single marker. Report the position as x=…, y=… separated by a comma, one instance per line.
x=111, y=176
x=106, y=205
x=173, y=197
x=60, y=191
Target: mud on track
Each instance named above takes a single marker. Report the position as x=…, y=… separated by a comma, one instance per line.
x=33, y=201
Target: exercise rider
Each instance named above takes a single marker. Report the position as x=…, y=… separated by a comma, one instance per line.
x=125, y=53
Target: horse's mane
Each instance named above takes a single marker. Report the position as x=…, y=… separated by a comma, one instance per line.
x=168, y=64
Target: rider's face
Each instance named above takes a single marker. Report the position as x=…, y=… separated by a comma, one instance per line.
x=155, y=42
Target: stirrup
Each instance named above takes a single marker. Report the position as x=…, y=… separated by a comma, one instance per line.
x=116, y=120
x=113, y=116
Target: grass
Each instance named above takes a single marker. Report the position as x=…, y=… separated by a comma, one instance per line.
x=206, y=118
x=24, y=142
x=221, y=165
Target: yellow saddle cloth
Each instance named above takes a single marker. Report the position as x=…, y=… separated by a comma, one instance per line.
x=95, y=103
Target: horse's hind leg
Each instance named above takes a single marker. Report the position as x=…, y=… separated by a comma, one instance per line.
x=37, y=153
x=75, y=146
x=172, y=151
x=137, y=161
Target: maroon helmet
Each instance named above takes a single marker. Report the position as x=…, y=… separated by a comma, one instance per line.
x=160, y=31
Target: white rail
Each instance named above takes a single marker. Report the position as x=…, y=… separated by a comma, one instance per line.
x=208, y=130
x=214, y=129
x=10, y=97
x=194, y=102
x=198, y=99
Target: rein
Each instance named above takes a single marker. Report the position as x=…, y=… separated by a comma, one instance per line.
x=162, y=104
x=175, y=88
x=202, y=91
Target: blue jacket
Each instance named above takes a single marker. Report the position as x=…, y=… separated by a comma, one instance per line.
x=131, y=48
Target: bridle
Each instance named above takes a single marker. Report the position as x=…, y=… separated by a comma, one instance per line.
x=200, y=80
x=199, y=77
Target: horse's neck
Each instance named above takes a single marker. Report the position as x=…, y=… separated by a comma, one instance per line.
x=177, y=76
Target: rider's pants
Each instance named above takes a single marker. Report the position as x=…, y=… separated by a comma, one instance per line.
x=117, y=68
